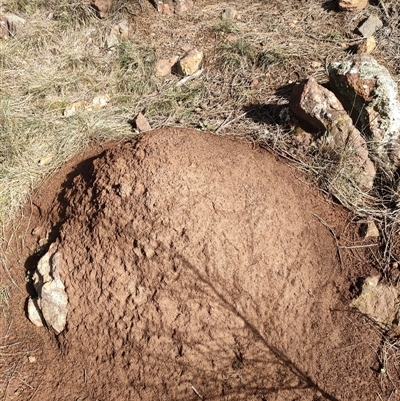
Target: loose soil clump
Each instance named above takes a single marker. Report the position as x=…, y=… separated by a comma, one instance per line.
x=198, y=266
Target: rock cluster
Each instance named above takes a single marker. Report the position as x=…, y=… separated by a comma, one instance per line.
x=321, y=108
x=361, y=108
x=50, y=306
x=186, y=66
x=368, y=92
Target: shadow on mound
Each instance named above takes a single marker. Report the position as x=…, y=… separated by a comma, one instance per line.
x=195, y=268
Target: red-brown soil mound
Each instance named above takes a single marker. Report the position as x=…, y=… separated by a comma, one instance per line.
x=196, y=268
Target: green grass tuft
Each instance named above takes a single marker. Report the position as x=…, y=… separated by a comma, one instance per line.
x=237, y=54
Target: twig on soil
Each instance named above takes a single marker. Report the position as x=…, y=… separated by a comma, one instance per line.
x=197, y=393
x=226, y=122
x=34, y=393
x=357, y=246
x=324, y=223
x=3, y=261
x=384, y=8
x=189, y=78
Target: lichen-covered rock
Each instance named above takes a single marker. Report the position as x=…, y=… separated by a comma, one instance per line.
x=320, y=108
x=369, y=94
x=51, y=303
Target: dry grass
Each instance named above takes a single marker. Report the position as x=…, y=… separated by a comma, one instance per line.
x=60, y=56
x=4, y=296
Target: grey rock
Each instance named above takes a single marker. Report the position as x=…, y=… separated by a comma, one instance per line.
x=368, y=27
x=229, y=13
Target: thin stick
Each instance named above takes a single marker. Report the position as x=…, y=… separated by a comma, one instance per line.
x=197, y=393
x=34, y=393
x=358, y=246
x=3, y=260
x=189, y=78
x=226, y=123
x=324, y=223
x=384, y=8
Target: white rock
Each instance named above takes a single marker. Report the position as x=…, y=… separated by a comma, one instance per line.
x=52, y=299
x=34, y=313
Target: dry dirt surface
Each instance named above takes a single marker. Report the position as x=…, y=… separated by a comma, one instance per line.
x=196, y=267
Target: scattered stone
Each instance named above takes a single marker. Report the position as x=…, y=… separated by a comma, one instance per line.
x=229, y=13
x=254, y=82
x=102, y=7
x=352, y=5
x=183, y=5
x=367, y=46
x=379, y=302
x=190, y=63
x=319, y=107
x=169, y=7
x=83, y=106
x=369, y=94
x=165, y=7
x=31, y=359
x=118, y=32
x=368, y=27
x=45, y=160
x=76, y=107
x=100, y=102
x=141, y=123
x=51, y=303
x=369, y=230
x=163, y=67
